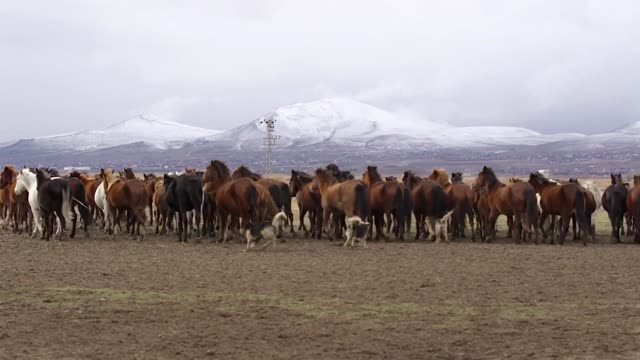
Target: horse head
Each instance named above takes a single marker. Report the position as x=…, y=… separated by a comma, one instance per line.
x=456, y=178
x=244, y=172
x=8, y=176
x=486, y=176
x=616, y=178
x=391, y=178
x=42, y=176
x=371, y=176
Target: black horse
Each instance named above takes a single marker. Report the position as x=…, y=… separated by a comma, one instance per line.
x=79, y=202
x=54, y=197
x=184, y=193
x=614, y=201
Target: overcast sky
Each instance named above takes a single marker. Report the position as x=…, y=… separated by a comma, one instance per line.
x=552, y=66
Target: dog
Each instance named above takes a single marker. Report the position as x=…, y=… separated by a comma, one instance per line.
x=265, y=231
x=357, y=230
x=442, y=227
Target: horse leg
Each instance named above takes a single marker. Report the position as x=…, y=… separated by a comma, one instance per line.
x=301, y=226
x=182, y=225
x=418, y=225
x=564, y=221
x=510, y=226
x=472, y=225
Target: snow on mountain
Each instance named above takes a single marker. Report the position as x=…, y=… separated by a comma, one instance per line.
x=350, y=122
x=161, y=134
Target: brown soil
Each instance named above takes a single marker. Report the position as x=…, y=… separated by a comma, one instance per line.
x=115, y=298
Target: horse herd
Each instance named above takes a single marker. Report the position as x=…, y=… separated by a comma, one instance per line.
x=216, y=199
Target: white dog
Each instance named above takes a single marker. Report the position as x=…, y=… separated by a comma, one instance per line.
x=356, y=231
x=266, y=231
x=442, y=227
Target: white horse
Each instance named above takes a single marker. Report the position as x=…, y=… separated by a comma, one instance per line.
x=101, y=201
x=597, y=194
x=26, y=181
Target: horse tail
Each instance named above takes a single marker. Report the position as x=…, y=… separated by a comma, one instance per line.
x=581, y=212
x=361, y=201
x=398, y=204
x=80, y=198
x=286, y=198
x=252, y=197
x=66, y=201
x=408, y=207
x=532, y=209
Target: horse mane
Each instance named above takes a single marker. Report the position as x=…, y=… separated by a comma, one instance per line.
x=333, y=167
x=243, y=171
x=616, y=179
x=538, y=176
x=372, y=173
x=325, y=175
x=129, y=174
x=575, y=181
x=514, y=180
x=8, y=176
x=109, y=178
x=75, y=174
x=220, y=168
x=441, y=176
x=456, y=178
x=489, y=175
x=304, y=177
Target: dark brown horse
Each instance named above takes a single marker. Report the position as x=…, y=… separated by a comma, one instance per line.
x=481, y=208
x=518, y=200
x=233, y=198
x=430, y=203
x=633, y=204
x=590, y=208
x=562, y=200
x=339, y=199
x=386, y=198
x=279, y=190
x=309, y=201
x=614, y=202
x=127, y=196
x=54, y=197
x=91, y=185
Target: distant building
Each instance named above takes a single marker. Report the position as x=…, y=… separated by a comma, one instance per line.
x=76, y=168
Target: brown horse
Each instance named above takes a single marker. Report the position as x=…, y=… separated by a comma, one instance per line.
x=386, y=198
x=309, y=201
x=590, y=208
x=17, y=206
x=159, y=200
x=430, y=203
x=127, y=196
x=150, y=181
x=461, y=201
x=279, y=190
x=233, y=198
x=128, y=174
x=441, y=176
x=633, y=204
x=517, y=200
x=481, y=208
x=563, y=200
x=339, y=199
x=91, y=185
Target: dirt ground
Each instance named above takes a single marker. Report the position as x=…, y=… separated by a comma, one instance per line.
x=107, y=297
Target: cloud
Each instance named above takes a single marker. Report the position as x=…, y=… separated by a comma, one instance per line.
x=567, y=67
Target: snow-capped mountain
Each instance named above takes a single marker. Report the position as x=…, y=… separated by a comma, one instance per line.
x=148, y=129
x=349, y=122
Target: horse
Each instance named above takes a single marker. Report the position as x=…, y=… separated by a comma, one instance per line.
x=184, y=193
x=592, y=203
x=17, y=205
x=150, y=181
x=461, y=202
x=430, y=202
x=614, y=202
x=517, y=200
x=91, y=185
x=128, y=174
x=100, y=198
x=408, y=205
x=385, y=198
x=79, y=205
x=309, y=201
x=279, y=190
x=441, y=176
x=54, y=199
x=127, y=196
x=26, y=182
x=159, y=200
x=563, y=200
x=481, y=208
x=633, y=204
x=235, y=198
x=339, y=199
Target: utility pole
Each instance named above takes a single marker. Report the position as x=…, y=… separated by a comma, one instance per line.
x=270, y=140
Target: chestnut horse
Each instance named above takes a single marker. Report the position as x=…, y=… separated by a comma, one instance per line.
x=481, y=208
x=91, y=185
x=633, y=204
x=309, y=201
x=461, y=201
x=563, y=200
x=150, y=181
x=517, y=200
x=279, y=190
x=159, y=201
x=126, y=196
x=339, y=199
x=17, y=206
x=430, y=202
x=233, y=198
x=385, y=198
x=614, y=202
